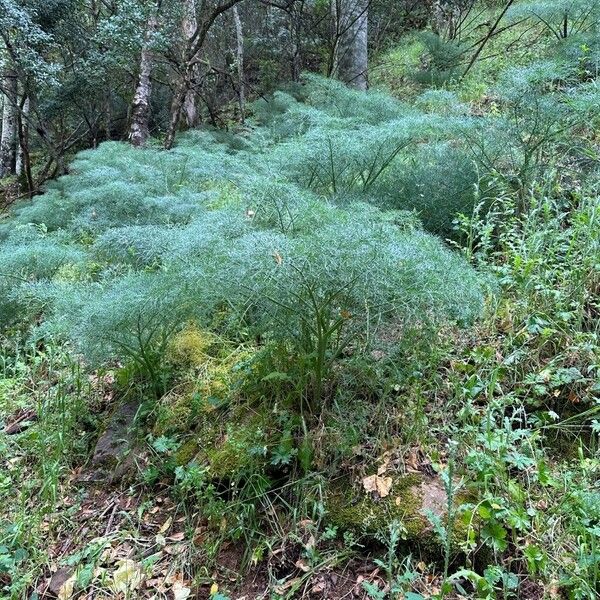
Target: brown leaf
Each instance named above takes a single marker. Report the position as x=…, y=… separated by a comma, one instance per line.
x=378, y=485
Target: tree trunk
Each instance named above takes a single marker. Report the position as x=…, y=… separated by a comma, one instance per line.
x=140, y=113
x=189, y=26
x=350, y=54
x=239, y=39
x=108, y=115
x=23, y=131
x=188, y=65
x=176, y=110
x=8, y=141
x=296, y=41
x=445, y=18
x=23, y=157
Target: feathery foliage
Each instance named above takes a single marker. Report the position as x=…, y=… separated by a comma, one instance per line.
x=140, y=242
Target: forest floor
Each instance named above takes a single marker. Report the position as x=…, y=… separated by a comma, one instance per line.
x=132, y=542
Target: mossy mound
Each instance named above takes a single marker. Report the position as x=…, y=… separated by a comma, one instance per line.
x=410, y=500
x=210, y=373
x=241, y=449
x=190, y=346
x=230, y=443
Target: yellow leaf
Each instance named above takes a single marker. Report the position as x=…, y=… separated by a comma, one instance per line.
x=66, y=590
x=214, y=589
x=127, y=577
x=165, y=525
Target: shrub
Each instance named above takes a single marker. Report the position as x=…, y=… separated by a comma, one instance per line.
x=561, y=18
x=321, y=291
x=30, y=256
x=132, y=318
x=252, y=237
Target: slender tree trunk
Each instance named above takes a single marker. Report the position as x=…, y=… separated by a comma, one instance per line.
x=350, y=55
x=24, y=157
x=108, y=116
x=239, y=39
x=188, y=65
x=8, y=141
x=140, y=110
x=190, y=25
x=176, y=110
x=446, y=15
x=438, y=20
x=296, y=38
x=23, y=135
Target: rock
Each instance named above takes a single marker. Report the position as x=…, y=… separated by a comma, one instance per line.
x=433, y=497
x=113, y=455
x=411, y=498
x=58, y=580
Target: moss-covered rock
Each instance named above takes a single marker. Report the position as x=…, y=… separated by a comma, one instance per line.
x=187, y=452
x=230, y=442
x=411, y=498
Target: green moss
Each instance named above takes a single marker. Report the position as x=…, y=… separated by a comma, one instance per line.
x=411, y=499
x=229, y=442
x=241, y=448
x=187, y=452
x=351, y=509
x=173, y=414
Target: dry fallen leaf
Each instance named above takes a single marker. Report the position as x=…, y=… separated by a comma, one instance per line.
x=180, y=591
x=318, y=588
x=281, y=589
x=66, y=590
x=301, y=564
x=174, y=549
x=384, y=465
x=378, y=485
x=127, y=577
x=165, y=525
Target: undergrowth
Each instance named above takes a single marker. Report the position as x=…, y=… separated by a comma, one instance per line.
x=321, y=385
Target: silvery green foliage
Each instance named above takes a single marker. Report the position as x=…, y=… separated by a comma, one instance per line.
x=310, y=209
x=437, y=181
x=562, y=18
x=30, y=256
x=137, y=243
x=535, y=127
x=441, y=102
x=350, y=146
